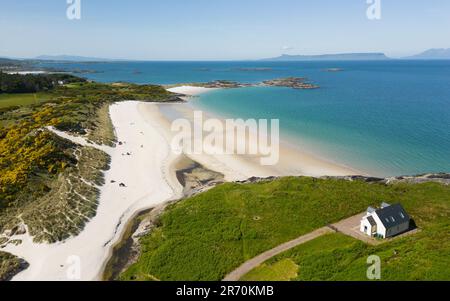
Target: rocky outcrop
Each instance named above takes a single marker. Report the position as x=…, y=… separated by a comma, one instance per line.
x=443, y=178
x=225, y=84
x=290, y=82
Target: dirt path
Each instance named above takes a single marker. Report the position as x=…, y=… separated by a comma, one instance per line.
x=256, y=261
x=348, y=226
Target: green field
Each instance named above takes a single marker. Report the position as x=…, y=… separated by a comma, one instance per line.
x=11, y=100
x=207, y=236
x=281, y=270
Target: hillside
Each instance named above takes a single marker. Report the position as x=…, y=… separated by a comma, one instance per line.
x=70, y=58
x=331, y=57
x=209, y=235
x=432, y=54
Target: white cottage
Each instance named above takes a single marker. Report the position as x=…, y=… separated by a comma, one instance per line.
x=387, y=221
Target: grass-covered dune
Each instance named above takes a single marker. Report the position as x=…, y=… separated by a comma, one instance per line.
x=207, y=236
x=45, y=180
x=9, y=265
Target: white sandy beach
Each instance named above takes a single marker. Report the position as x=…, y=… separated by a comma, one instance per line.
x=292, y=160
x=150, y=180
x=190, y=90
x=26, y=72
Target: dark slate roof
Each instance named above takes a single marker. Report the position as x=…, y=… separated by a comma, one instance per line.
x=393, y=215
x=371, y=221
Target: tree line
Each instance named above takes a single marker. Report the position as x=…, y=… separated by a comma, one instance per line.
x=32, y=83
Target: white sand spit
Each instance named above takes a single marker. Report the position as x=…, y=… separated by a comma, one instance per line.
x=190, y=90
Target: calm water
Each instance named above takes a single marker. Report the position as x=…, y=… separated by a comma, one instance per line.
x=385, y=118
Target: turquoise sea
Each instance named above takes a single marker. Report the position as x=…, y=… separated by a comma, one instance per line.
x=382, y=117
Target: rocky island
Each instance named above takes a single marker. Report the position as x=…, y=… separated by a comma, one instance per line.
x=290, y=82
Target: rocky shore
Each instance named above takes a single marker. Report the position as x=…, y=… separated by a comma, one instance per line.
x=443, y=178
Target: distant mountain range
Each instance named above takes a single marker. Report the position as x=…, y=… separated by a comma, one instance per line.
x=70, y=58
x=332, y=57
x=432, y=54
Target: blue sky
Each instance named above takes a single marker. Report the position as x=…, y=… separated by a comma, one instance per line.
x=220, y=29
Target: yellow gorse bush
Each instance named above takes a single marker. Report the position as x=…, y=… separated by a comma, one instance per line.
x=25, y=148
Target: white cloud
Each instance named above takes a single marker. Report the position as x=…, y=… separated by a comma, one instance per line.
x=287, y=48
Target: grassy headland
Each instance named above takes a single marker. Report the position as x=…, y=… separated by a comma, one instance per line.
x=207, y=236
